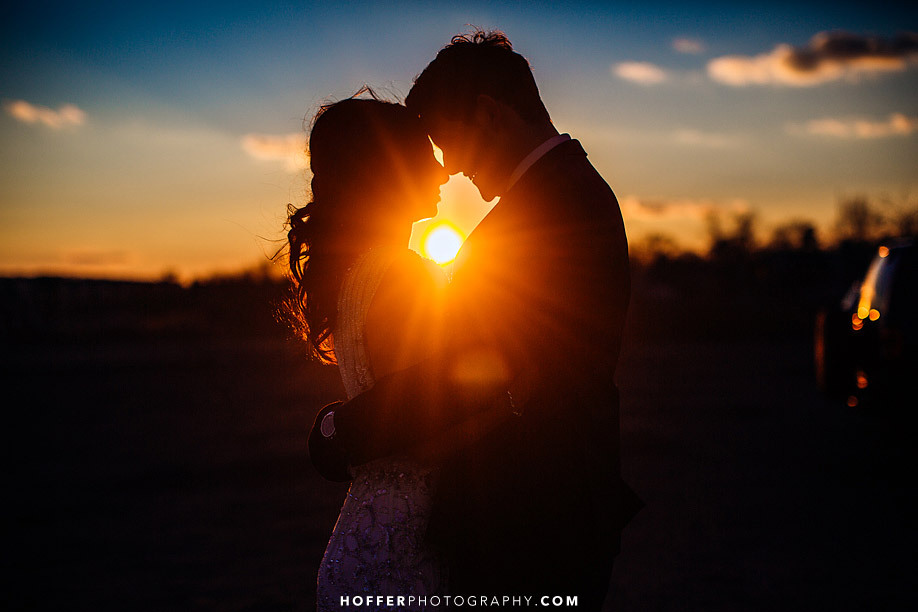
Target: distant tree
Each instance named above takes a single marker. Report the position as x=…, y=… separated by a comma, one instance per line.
x=744, y=232
x=862, y=221
x=808, y=239
x=714, y=227
x=740, y=241
x=169, y=277
x=654, y=247
x=798, y=234
x=263, y=271
x=902, y=218
x=858, y=220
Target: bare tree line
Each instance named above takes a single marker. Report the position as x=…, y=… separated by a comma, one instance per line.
x=858, y=219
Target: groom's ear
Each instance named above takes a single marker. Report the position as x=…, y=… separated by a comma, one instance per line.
x=488, y=112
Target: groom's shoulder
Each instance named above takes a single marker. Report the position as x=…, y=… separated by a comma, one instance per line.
x=567, y=163
x=565, y=175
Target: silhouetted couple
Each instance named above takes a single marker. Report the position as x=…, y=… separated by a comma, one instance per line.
x=481, y=431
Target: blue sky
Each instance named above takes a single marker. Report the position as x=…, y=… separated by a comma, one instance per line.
x=174, y=157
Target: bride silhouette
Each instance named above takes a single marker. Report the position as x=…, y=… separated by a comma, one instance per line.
x=368, y=303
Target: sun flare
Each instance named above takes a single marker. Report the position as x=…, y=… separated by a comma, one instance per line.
x=441, y=242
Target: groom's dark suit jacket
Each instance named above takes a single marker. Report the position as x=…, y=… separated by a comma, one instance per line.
x=535, y=504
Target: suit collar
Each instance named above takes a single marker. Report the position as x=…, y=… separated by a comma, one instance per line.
x=567, y=147
x=505, y=203
x=534, y=156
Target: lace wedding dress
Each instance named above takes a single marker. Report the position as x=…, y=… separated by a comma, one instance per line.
x=377, y=546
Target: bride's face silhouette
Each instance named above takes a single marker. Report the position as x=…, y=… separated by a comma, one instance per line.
x=417, y=178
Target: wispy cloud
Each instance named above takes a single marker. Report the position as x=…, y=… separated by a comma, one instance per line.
x=94, y=257
x=829, y=56
x=690, y=46
x=287, y=148
x=642, y=209
x=65, y=115
x=712, y=140
x=897, y=124
x=643, y=73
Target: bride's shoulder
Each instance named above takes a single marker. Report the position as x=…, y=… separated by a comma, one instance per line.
x=410, y=276
x=427, y=270
x=404, y=318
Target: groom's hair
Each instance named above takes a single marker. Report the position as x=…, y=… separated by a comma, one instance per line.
x=472, y=64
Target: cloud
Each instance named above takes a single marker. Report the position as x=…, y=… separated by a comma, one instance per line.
x=897, y=124
x=713, y=140
x=691, y=46
x=96, y=258
x=638, y=209
x=829, y=56
x=643, y=73
x=287, y=148
x=65, y=115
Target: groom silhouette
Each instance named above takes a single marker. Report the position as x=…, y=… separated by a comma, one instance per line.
x=530, y=500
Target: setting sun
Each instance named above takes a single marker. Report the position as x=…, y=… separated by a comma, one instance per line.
x=441, y=242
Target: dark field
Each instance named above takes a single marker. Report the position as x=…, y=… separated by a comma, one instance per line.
x=171, y=474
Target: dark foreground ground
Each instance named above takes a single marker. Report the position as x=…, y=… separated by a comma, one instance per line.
x=173, y=476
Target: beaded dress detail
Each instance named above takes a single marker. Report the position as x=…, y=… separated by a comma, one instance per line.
x=377, y=546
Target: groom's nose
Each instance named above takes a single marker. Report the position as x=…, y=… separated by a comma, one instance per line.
x=449, y=164
x=442, y=175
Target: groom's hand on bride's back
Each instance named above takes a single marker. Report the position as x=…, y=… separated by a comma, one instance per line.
x=403, y=411
x=368, y=426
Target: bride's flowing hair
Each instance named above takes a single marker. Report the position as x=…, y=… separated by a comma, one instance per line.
x=353, y=147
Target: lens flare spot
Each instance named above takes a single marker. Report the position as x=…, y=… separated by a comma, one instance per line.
x=874, y=314
x=884, y=251
x=441, y=242
x=479, y=368
x=852, y=401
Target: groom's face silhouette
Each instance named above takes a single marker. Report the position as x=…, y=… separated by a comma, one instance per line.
x=475, y=146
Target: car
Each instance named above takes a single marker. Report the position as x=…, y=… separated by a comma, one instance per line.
x=865, y=348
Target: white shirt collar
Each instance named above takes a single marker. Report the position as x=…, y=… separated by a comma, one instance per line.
x=534, y=156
